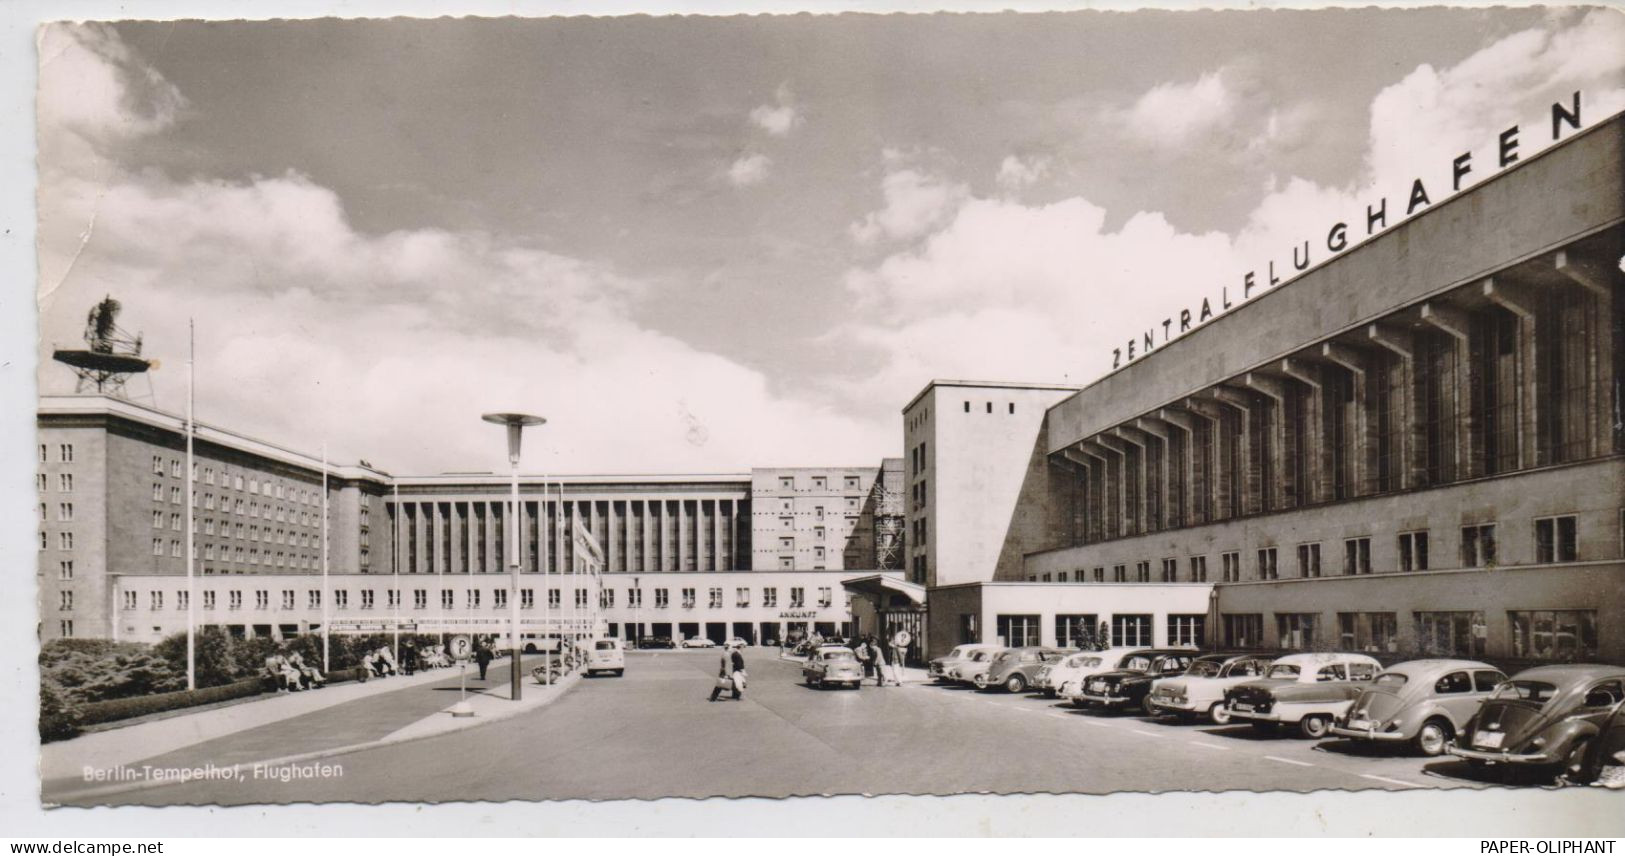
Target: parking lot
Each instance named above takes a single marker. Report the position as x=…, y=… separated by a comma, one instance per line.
x=652, y=733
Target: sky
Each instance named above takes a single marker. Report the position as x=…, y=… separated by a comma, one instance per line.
x=706, y=244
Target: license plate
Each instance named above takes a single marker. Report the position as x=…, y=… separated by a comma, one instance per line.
x=1241, y=705
x=1488, y=739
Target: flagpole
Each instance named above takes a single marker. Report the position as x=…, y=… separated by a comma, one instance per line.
x=191, y=518
x=395, y=566
x=327, y=596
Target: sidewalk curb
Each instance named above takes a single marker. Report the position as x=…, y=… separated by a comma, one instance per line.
x=566, y=685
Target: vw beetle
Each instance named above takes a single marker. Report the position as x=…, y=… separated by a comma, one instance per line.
x=1425, y=703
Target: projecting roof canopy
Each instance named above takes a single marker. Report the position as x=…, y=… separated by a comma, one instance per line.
x=883, y=586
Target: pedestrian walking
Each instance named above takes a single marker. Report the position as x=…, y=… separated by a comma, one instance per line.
x=880, y=654
x=736, y=659
x=409, y=657
x=725, y=677
x=483, y=657
x=899, y=654
x=865, y=656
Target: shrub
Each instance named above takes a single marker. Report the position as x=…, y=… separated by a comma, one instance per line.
x=212, y=656
x=90, y=673
x=126, y=708
x=59, y=716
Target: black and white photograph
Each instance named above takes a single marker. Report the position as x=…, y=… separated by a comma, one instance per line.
x=549, y=408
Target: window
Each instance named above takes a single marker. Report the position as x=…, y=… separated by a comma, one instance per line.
x=208, y=600
x=688, y=598
x=447, y=599
x=42, y=453
x=1170, y=570
x=1554, y=539
x=157, y=466
x=499, y=598
x=1186, y=630
x=1309, y=560
x=820, y=483
x=826, y=595
x=1368, y=632
x=787, y=482
x=65, y=627
x=634, y=598
x=1075, y=631
x=798, y=598
x=175, y=522
x=366, y=599
x=853, y=483
x=262, y=599
x=1413, y=551
x=1018, y=630
x=741, y=597
x=1131, y=630
x=420, y=598
x=1357, y=556
x=770, y=596
x=713, y=599
x=580, y=598
x=65, y=540
x=1119, y=573
x=1478, y=546
x=661, y=600
x=64, y=482
x=1295, y=630
x=1267, y=568
x=787, y=563
x=471, y=599
x=175, y=467
x=65, y=570
x=1560, y=634
x=129, y=600
x=1100, y=575
x=1142, y=572
x=64, y=600
x=234, y=600
x=157, y=520
x=1231, y=566
x=175, y=496
x=287, y=599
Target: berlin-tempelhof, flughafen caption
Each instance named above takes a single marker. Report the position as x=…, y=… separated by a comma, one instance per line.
x=1352, y=517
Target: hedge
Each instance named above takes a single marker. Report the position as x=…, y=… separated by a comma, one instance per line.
x=126, y=708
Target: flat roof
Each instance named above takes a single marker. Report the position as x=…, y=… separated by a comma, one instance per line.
x=986, y=384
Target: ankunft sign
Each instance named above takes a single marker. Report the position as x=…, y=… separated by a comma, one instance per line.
x=1338, y=239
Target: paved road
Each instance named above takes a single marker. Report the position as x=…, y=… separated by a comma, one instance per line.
x=652, y=733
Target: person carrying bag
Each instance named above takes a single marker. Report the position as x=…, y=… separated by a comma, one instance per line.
x=725, y=676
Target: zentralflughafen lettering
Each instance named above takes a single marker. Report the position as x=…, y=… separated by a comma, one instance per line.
x=1337, y=239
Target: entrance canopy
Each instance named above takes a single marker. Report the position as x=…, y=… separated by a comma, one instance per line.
x=881, y=588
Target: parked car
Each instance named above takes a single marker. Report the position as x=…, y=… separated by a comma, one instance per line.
x=1421, y=702
x=976, y=665
x=656, y=642
x=1013, y=669
x=832, y=664
x=1200, y=690
x=739, y=642
x=1305, y=690
x=1068, y=676
x=606, y=656
x=698, y=642
x=938, y=668
x=1548, y=717
x=1129, y=685
x=1607, y=748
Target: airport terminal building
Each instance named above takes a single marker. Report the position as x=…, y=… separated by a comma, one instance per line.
x=759, y=555
x=1414, y=447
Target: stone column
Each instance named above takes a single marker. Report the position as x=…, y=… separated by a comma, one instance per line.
x=1280, y=487
x=1317, y=452
x=1520, y=301
x=1251, y=485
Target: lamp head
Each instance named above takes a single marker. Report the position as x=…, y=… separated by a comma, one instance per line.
x=516, y=423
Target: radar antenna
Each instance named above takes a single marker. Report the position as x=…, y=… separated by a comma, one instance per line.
x=111, y=355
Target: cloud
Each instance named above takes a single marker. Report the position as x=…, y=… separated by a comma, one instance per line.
x=915, y=202
x=384, y=346
x=1017, y=173
x=779, y=118
x=997, y=289
x=749, y=169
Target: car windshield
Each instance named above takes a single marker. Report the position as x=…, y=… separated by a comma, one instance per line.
x=1284, y=671
x=978, y=656
x=605, y=645
x=1538, y=692
x=842, y=654
x=1136, y=663
x=955, y=654
x=1390, y=681
x=1083, y=662
x=1203, y=669
x=1003, y=655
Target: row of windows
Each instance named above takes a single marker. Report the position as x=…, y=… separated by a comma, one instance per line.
x=227, y=505
x=64, y=482
x=987, y=406
x=1079, y=630
x=64, y=453
x=1540, y=634
x=822, y=483
x=1556, y=542
x=472, y=598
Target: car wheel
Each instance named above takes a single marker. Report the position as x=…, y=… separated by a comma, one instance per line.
x=1432, y=738
x=1574, y=767
x=1314, y=726
x=1149, y=708
x=1016, y=684
x=808, y=679
x=1219, y=714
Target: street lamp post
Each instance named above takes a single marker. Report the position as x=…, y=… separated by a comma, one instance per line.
x=516, y=424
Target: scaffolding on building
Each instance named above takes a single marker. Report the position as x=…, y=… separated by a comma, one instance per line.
x=888, y=506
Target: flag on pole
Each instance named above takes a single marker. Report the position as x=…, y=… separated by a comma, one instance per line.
x=587, y=549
